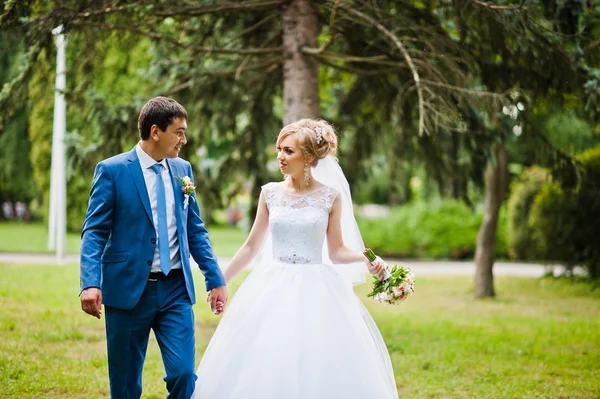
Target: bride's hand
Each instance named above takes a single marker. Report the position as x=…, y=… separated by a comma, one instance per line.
x=217, y=298
x=377, y=268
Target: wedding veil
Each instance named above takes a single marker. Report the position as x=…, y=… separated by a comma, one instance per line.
x=329, y=172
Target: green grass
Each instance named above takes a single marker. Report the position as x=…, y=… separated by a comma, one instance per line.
x=226, y=240
x=539, y=339
x=33, y=238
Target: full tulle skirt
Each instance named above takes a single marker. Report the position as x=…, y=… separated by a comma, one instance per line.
x=296, y=331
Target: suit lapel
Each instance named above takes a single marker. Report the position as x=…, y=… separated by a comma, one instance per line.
x=138, y=177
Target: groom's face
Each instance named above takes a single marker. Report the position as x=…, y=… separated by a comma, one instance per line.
x=171, y=140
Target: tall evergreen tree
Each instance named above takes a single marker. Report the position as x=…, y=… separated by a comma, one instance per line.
x=433, y=76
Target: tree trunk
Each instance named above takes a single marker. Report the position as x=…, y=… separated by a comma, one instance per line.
x=496, y=177
x=300, y=72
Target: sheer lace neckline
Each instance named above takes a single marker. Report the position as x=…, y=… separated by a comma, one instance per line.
x=286, y=190
x=321, y=198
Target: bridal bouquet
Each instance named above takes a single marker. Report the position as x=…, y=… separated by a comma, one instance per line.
x=396, y=286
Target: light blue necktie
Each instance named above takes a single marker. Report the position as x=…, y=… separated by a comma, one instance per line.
x=163, y=232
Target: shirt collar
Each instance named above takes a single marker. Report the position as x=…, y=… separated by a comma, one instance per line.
x=146, y=161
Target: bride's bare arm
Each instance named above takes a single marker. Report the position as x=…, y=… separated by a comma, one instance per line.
x=340, y=253
x=253, y=243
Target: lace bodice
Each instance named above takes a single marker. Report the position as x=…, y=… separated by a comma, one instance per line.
x=298, y=223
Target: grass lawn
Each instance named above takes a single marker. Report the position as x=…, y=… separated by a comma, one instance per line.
x=33, y=238
x=539, y=339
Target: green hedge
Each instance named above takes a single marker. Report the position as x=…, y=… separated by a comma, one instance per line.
x=566, y=222
x=552, y=224
x=444, y=229
x=522, y=194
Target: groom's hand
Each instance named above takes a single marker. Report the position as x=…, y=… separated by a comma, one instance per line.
x=217, y=298
x=91, y=301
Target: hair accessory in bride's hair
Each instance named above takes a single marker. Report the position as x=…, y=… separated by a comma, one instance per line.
x=319, y=133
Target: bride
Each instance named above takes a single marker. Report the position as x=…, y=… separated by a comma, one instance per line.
x=295, y=329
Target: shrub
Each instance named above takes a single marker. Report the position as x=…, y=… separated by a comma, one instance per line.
x=566, y=222
x=523, y=191
x=441, y=229
x=551, y=223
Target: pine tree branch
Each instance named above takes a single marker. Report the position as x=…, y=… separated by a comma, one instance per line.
x=592, y=45
x=268, y=63
x=240, y=68
x=407, y=57
x=104, y=11
x=354, y=70
x=265, y=73
x=181, y=87
x=222, y=6
x=188, y=10
x=247, y=58
x=177, y=43
x=498, y=96
x=378, y=59
x=309, y=50
x=8, y=7
x=258, y=24
x=493, y=6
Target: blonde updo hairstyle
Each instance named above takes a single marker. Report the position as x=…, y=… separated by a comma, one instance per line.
x=305, y=129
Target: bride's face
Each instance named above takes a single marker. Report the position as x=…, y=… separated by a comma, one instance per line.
x=290, y=157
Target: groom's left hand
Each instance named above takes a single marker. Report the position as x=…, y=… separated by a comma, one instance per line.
x=217, y=298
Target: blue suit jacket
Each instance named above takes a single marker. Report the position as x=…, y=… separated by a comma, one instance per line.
x=118, y=237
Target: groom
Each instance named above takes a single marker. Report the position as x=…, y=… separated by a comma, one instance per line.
x=138, y=235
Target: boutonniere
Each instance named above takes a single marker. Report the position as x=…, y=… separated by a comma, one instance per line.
x=187, y=187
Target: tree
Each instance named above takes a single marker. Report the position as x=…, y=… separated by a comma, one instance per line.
x=15, y=168
x=547, y=63
x=242, y=44
x=447, y=67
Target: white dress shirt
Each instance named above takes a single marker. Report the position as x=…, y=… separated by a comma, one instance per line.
x=146, y=162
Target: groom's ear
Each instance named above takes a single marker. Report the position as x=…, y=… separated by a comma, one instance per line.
x=154, y=132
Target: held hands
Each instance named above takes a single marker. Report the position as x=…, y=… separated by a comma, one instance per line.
x=377, y=268
x=91, y=301
x=217, y=298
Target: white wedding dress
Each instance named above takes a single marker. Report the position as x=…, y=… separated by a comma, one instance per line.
x=295, y=329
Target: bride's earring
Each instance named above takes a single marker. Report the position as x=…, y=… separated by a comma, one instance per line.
x=306, y=175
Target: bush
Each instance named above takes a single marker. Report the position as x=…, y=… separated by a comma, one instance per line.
x=523, y=191
x=442, y=229
x=551, y=223
x=566, y=222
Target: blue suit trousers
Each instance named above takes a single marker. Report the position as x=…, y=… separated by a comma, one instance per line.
x=165, y=308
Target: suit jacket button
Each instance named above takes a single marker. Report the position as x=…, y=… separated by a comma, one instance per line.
x=149, y=263
x=153, y=240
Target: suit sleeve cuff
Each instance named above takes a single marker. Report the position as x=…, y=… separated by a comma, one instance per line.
x=215, y=283
x=89, y=286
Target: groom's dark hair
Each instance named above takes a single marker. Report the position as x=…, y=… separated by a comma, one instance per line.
x=159, y=111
